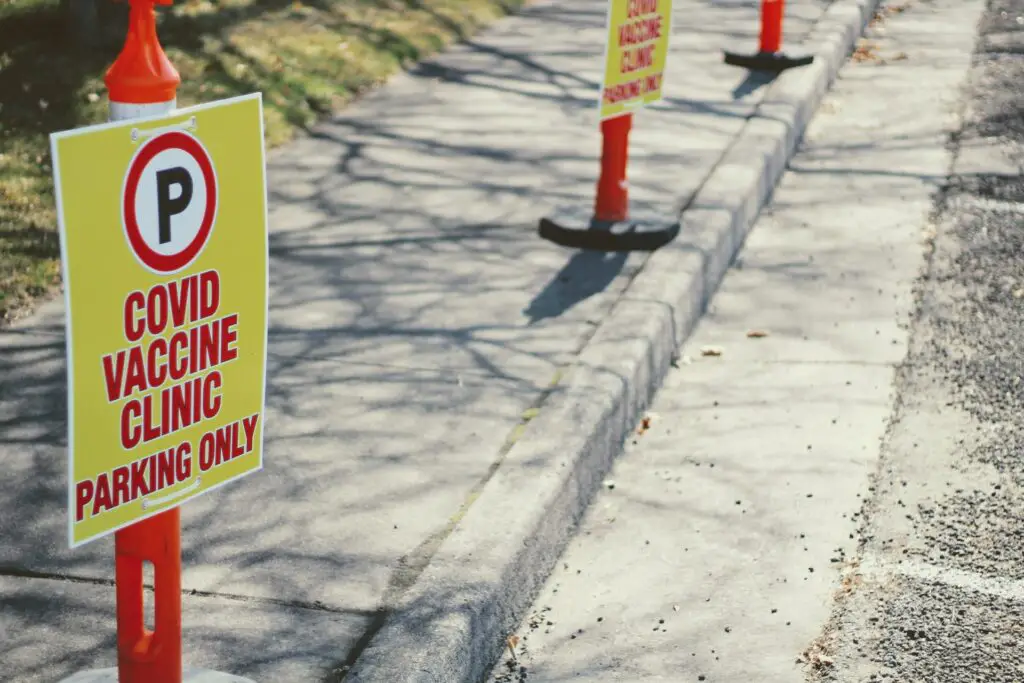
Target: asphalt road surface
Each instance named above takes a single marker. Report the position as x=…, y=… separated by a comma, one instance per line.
x=828, y=488
x=940, y=593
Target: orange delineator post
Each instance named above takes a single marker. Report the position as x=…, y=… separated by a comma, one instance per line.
x=610, y=227
x=142, y=73
x=143, y=81
x=769, y=56
x=612, y=202
x=145, y=656
x=772, y=12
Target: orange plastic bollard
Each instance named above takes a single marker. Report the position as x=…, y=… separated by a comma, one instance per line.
x=142, y=82
x=769, y=56
x=145, y=656
x=772, y=12
x=610, y=227
x=612, y=202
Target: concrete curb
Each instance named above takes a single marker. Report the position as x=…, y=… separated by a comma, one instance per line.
x=450, y=625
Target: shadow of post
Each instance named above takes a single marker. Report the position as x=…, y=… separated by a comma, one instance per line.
x=585, y=274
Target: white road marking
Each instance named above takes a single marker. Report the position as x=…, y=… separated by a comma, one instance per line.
x=877, y=569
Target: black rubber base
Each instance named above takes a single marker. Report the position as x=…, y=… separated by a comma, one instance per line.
x=767, y=61
x=595, y=235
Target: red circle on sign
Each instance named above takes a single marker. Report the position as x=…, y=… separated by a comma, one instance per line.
x=155, y=261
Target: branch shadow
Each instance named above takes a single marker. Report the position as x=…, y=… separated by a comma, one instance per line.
x=414, y=318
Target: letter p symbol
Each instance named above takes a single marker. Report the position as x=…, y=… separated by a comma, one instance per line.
x=168, y=205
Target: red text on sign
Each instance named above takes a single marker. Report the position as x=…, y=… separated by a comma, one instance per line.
x=637, y=58
x=633, y=89
x=635, y=8
x=178, y=406
x=640, y=31
x=185, y=353
x=135, y=480
x=227, y=443
x=176, y=304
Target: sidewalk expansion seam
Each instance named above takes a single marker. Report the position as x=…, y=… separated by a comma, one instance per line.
x=18, y=573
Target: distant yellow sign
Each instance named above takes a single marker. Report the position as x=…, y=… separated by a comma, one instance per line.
x=163, y=228
x=635, y=56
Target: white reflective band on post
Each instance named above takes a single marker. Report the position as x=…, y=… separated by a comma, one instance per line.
x=119, y=111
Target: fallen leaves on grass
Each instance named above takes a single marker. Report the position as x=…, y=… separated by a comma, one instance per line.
x=713, y=351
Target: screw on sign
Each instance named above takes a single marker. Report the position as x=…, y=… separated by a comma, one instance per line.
x=170, y=201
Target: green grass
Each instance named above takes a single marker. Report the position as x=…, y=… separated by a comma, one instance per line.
x=307, y=57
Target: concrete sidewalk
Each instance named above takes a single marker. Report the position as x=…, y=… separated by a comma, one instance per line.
x=417, y=322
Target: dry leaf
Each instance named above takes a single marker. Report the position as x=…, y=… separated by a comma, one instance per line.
x=512, y=641
x=711, y=351
x=757, y=334
x=865, y=51
x=645, y=424
x=817, y=654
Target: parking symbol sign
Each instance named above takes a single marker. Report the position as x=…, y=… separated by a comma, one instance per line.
x=170, y=201
x=163, y=227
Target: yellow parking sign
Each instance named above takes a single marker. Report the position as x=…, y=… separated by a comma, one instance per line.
x=635, y=54
x=163, y=228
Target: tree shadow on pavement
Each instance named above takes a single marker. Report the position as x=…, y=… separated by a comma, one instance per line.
x=415, y=317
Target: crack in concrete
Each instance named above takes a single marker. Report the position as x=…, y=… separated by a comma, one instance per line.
x=316, y=605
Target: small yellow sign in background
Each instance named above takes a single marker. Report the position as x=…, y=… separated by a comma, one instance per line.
x=635, y=55
x=166, y=366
